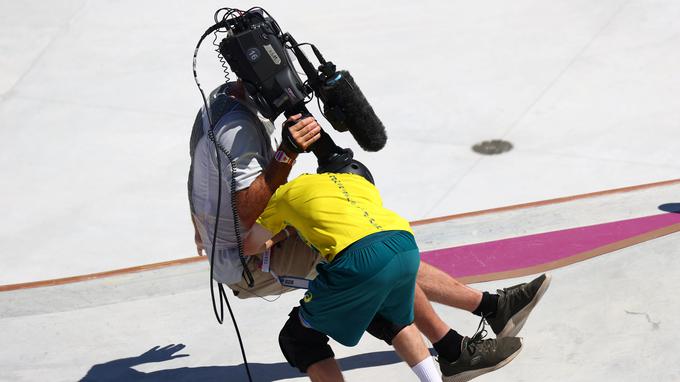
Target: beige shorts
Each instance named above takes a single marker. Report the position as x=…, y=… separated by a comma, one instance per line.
x=290, y=257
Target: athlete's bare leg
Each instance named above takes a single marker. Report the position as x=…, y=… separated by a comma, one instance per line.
x=444, y=289
x=325, y=371
x=427, y=321
x=410, y=346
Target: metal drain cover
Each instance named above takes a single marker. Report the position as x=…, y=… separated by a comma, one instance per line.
x=493, y=147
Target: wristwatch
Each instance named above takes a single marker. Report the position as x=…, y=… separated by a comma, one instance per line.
x=281, y=157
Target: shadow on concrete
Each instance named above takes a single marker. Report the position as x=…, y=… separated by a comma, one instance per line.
x=122, y=369
x=670, y=207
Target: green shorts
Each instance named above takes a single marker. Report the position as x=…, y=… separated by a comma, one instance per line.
x=375, y=275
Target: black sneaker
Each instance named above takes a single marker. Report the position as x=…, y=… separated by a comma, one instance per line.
x=479, y=356
x=515, y=304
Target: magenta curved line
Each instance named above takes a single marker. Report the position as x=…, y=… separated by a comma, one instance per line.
x=527, y=251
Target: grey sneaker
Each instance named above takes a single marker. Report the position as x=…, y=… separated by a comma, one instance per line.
x=480, y=356
x=515, y=304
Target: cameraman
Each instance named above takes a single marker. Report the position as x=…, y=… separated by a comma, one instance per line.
x=258, y=171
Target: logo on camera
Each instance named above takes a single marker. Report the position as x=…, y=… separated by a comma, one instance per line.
x=253, y=54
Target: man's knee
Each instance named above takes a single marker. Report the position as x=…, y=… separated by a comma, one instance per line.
x=383, y=329
x=302, y=346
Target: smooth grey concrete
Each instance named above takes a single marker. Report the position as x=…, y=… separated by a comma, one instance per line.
x=464, y=230
x=97, y=97
x=96, y=102
x=609, y=318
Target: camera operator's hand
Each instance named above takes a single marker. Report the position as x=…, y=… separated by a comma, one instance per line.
x=300, y=133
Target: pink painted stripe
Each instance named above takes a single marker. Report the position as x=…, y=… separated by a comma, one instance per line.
x=526, y=251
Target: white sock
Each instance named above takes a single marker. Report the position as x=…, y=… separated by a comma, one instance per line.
x=427, y=371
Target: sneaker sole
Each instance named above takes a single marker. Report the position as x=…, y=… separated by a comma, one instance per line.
x=468, y=375
x=516, y=323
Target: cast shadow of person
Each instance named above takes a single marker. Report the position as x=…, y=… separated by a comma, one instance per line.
x=122, y=369
x=670, y=207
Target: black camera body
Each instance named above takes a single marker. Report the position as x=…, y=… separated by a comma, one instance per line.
x=261, y=55
x=256, y=54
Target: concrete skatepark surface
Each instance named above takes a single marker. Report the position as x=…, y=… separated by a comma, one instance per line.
x=607, y=316
x=96, y=103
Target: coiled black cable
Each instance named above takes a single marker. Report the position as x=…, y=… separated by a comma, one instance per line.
x=218, y=147
x=218, y=19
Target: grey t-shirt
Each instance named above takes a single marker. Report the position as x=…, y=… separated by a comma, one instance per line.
x=246, y=136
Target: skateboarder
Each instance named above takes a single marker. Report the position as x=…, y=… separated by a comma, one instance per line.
x=367, y=281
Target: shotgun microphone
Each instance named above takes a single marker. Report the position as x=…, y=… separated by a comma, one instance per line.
x=347, y=109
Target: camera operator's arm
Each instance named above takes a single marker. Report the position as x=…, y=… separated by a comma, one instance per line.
x=200, y=247
x=252, y=200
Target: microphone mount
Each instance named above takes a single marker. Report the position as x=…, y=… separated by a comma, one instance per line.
x=260, y=54
x=329, y=156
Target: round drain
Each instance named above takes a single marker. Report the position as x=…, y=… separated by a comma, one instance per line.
x=493, y=147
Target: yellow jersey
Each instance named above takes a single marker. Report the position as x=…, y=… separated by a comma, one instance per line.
x=330, y=211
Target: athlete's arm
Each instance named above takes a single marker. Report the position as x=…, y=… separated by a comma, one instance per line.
x=259, y=239
x=250, y=202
